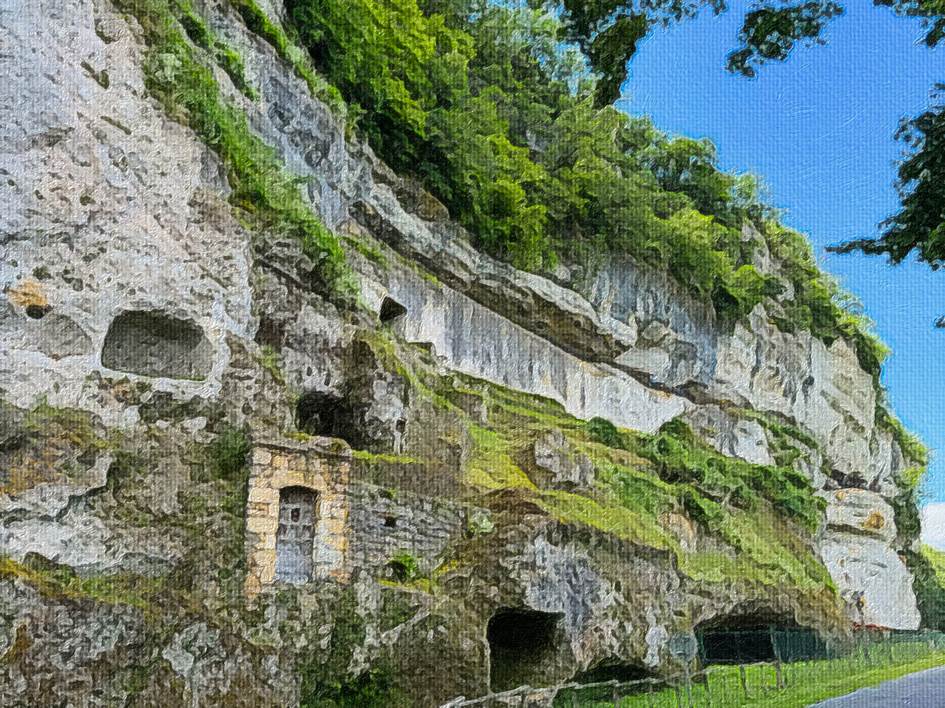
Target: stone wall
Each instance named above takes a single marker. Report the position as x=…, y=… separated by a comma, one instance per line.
x=385, y=523
x=322, y=465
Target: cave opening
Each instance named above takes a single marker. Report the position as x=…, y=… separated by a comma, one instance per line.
x=612, y=670
x=319, y=413
x=522, y=646
x=744, y=639
x=153, y=343
x=391, y=310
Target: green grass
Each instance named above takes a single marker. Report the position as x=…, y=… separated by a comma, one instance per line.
x=639, y=489
x=912, y=447
x=641, y=486
x=228, y=58
x=490, y=465
x=805, y=682
x=384, y=458
x=270, y=360
x=372, y=253
x=678, y=455
x=267, y=195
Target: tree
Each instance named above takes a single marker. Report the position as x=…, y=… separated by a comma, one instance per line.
x=608, y=31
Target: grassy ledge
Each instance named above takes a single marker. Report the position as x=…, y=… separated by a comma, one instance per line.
x=228, y=58
x=62, y=583
x=258, y=22
x=268, y=196
x=649, y=487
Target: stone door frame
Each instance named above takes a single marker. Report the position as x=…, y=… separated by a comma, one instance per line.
x=321, y=465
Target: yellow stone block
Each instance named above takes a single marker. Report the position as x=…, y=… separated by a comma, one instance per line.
x=295, y=478
x=332, y=527
x=263, y=494
x=252, y=587
x=262, y=524
x=265, y=542
x=256, y=509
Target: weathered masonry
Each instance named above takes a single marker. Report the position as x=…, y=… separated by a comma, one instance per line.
x=297, y=512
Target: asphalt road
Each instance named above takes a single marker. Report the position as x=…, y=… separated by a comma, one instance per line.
x=925, y=689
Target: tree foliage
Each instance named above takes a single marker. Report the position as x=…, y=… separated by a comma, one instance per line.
x=919, y=225
x=770, y=31
x=502, y=121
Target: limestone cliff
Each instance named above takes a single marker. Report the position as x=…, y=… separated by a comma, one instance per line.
x=168, y=368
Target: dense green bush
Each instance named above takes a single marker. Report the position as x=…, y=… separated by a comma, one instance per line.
x=485, y=105
x=928, y=569
x=228, y=453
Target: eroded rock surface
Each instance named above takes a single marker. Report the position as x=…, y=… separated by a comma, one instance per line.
x=148, y=338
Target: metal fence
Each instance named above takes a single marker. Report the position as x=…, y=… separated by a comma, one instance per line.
x=734, y=683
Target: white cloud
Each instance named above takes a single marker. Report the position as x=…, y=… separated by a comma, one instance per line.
x=933, y=525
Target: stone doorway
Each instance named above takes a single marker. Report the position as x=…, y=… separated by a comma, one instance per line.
x=295, y=536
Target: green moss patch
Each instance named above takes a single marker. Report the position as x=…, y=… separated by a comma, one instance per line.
x=225, y=56
x=60, y=582
x=679, y=456
x=47, y=445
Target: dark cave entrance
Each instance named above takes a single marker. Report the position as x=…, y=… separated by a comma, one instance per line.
x=612, y=669
x=523, y=645
x=321, y=414
x=744, y=639
x=391, y=310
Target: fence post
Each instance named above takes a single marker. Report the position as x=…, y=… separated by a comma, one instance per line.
x=688, y=679
x=744, y=679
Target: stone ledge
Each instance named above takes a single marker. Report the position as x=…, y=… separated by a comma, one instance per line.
x=325, y=447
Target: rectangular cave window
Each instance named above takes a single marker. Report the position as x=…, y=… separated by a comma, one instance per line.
x=153, y=343
x=295, y=536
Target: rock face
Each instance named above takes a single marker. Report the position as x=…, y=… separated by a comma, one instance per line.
x=149, y=341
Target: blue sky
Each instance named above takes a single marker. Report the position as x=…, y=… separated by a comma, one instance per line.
x=819, y=131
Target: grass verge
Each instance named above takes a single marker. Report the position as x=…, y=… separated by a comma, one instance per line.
x=806, y=682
